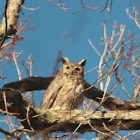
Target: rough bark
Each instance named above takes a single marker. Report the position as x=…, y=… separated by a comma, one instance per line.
x=9, y=22
x=13, y=103
x=41, y=83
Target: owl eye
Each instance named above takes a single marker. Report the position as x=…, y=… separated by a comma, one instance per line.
x=78, y=69
x=67, y=67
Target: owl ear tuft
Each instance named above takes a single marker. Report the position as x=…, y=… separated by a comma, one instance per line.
x=82, y=62
x=65, y=60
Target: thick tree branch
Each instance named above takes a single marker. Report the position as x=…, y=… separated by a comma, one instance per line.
x=110, y=101
x=14, y=104
x=30, y=84
x=41, y=83
x=9, y=22
x=42, y=123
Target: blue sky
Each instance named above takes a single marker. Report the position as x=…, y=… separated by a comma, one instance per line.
x=58, y=30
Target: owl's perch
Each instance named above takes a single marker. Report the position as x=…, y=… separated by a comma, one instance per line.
x=16, y=105
x=41, y=83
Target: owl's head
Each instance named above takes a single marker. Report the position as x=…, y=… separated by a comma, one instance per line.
x=75, y=69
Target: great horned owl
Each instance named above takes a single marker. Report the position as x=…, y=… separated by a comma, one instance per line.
x=65, y=92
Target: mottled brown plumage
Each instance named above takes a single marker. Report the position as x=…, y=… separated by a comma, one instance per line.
x=66, y=91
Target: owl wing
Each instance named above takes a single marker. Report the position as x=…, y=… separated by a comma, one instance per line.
x=52, y=92
x=70, y=95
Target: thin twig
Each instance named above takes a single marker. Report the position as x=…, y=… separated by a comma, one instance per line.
x=60, y=5
x=137, y=21
x=93, y=8
x=30, y=8
x=94, y=47
x=17, y=67
x=110, y=9
x=102, y=57
x=104, y=6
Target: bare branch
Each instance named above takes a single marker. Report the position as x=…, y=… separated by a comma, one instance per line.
x=43, y=123
x=9, y=22
x=60, y=5
x=17, y=67
x=109, y=9
x=104, y=6
x=30, y=84
x=135, y=18
x=83, y=6
x=41, y=83
x=30, y=8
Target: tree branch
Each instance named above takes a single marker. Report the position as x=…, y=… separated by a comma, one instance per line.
x=42, y=123
x=18, y=106
x=41, y=83
x=9, y=22
x=30, y=84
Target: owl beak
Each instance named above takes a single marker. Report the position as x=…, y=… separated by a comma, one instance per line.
x=72, y=72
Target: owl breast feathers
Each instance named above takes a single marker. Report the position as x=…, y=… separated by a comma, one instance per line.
x=66, y=91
